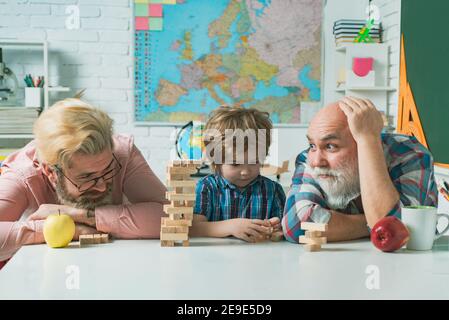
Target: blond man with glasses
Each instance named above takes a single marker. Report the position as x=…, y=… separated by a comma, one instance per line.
x=76, y=165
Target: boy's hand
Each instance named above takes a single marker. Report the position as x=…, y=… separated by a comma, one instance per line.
x=274, y=223
x=250, y=230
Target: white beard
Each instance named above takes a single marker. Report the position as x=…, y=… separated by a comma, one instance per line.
x=341, y=188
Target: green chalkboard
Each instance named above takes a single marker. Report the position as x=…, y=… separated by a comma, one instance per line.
x=425, y=28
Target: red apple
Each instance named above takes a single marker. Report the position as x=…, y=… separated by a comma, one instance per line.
x=389, y=234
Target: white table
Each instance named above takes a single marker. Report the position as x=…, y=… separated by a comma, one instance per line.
x=225, y=269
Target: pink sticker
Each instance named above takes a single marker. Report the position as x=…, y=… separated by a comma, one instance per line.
x=142, y=23
x=155, y=10
x=362, y=66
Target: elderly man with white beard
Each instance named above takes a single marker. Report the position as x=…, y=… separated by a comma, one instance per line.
x=352, y=175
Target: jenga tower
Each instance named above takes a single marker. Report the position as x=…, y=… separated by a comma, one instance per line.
x=182, y=198
x=312, y=238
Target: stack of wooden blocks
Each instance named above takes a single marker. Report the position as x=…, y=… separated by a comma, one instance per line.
x=182, y=198
x=313, y=238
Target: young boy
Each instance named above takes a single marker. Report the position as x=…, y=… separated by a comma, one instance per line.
x=236, y=200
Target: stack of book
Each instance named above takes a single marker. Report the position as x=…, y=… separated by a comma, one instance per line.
x=346, y=31
x=18, y=120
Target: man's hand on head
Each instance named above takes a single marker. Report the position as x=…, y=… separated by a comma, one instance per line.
x=78, y=215
x=364, y=120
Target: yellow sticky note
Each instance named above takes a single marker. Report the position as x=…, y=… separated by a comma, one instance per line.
x=169, y=1
x=142, y=1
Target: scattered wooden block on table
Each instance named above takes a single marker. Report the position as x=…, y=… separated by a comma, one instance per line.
x=104, y=238
x=86, y=239
x=97, y=238
x=306, y=240
x=313, y=234
x=310, y=226
x=185, y=243
x=312, y=247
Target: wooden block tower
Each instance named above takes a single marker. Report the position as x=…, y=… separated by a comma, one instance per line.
x=312, y=238
x=182, y=199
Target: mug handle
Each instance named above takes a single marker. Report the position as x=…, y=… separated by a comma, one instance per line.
x=439, y=234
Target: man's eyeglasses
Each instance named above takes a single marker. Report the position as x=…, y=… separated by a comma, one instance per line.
x=87, y=185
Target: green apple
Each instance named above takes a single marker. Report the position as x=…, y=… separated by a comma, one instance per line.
x=59, y=230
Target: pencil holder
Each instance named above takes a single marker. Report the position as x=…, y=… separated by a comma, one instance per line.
x=34, y=97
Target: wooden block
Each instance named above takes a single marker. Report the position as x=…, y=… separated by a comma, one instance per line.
x=320, y=240
x=178, y=204
x=312, y=247
x=180, y=216
x=104, y=238
x=313, y=226
x=175, y=229
x=277, y=236
x=174, y=236
x=178, y=190
x=179, y=197
x=185, y=243
x=174, y=163
x=86, y=239
x=181, y=183
x=190, y=204
x=97, y=238
x=313, y=234
x=171, y=223
x=191, y=162
x=188, y=190
x=181, y=170
x=167, y=243
x=169, y=209
x=195, y=162
x=178, y=177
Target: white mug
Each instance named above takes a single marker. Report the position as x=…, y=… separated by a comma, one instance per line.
x=421, y=222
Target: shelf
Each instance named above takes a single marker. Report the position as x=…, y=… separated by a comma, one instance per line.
x=22, y=42
x=59, y=89
x=345, y=46
x=16, y=136
x=343, y=89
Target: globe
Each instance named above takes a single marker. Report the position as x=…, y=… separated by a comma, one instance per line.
x=190, y=143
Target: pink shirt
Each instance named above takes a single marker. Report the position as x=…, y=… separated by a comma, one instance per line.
x=24, y=187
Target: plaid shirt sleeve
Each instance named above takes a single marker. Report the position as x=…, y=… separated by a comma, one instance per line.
x=411, y=170
x=305, y=202
x=203, y=200
x=277, y=210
